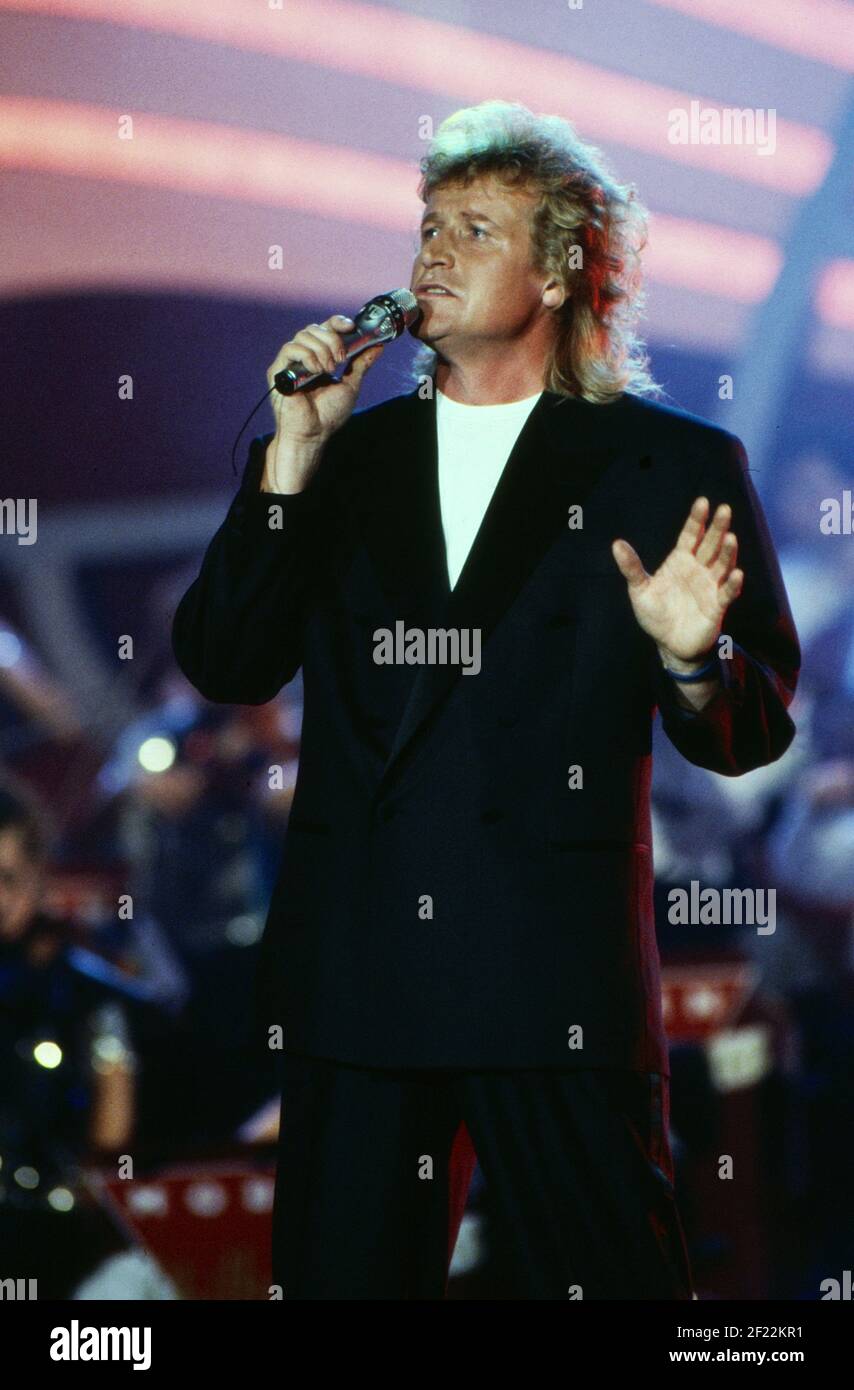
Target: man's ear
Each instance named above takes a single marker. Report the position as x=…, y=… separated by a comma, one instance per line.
x=554, y=294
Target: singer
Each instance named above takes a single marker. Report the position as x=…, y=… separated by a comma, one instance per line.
x=461, y=944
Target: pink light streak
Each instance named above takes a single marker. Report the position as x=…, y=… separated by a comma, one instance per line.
x=711, y=260
x=468, y=66
x=201, y=158
x=835, y=294
x=819, y=29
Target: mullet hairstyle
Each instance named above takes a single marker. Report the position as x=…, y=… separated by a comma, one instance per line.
x=596, y=353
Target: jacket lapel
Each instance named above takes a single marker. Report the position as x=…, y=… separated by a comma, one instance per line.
x=550, y=468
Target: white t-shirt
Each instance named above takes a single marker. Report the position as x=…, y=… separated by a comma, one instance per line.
x=475, y=442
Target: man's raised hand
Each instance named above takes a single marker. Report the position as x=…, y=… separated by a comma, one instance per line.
x=681, y=607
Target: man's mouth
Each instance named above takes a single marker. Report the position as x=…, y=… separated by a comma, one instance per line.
x=429, y=291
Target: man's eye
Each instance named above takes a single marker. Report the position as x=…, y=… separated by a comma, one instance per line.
x=474, y=228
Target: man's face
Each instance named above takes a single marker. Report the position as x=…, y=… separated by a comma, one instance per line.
x=476, y=241
x=21, y=883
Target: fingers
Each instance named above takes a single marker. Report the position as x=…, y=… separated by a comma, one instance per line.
x=692, y=531
x=731, y=588
x=318, y=346
x=716, y=547
x=628, y=562
x=725, y=558
x=711, y=542
x=356, y=369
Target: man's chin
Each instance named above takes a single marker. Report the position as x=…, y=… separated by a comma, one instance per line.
x=417, y=332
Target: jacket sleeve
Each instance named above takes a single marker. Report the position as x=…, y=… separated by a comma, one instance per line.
x=237, y=632
x=745, y=725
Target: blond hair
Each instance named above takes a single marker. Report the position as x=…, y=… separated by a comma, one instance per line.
x=596, y=352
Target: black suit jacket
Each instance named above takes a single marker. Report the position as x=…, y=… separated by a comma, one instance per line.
x=445, y=898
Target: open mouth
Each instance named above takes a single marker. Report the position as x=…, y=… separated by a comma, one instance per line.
x=433, y=291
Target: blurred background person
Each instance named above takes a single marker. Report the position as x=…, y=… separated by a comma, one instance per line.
x=67, y=1088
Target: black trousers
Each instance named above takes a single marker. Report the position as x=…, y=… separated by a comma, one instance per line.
x=374, y=1165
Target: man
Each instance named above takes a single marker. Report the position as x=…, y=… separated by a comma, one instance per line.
x=461, y=941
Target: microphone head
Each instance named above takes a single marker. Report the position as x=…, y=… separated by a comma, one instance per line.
x=407, y=303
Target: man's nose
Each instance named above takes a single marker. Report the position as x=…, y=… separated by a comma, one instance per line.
x=436, y=252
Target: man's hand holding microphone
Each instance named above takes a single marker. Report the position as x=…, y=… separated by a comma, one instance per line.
x=306, y=419
x=308, y=404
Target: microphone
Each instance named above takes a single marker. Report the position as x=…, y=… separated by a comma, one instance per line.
x=384, y=317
